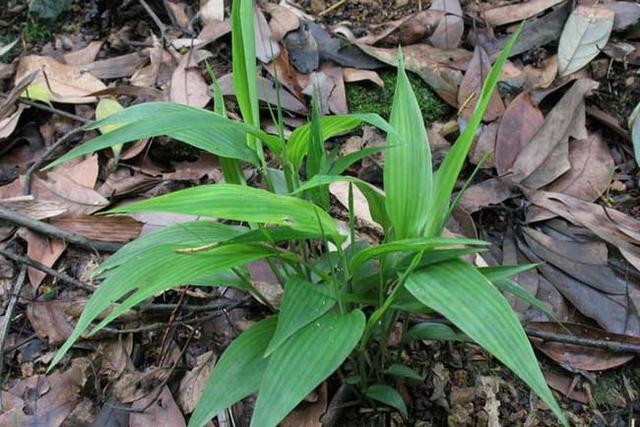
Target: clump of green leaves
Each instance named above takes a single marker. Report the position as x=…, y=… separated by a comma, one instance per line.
x=341, y=297
x=366, y=97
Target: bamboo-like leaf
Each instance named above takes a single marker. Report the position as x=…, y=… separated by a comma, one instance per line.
x=433, y=331
x=447, y=174
x=343, y=163
x=520, y=292
x=400, y=370
x=237, y=374
x=241, y=203
x=317, y=158
x=417, y=244
x=499, y=272
x=194, y=126
x=244, y=67
x=304, y=361
x=298, y=144
x=408, y=179
x=463, y=295
x=156, y=270
x=301, y=304
x=389, y=396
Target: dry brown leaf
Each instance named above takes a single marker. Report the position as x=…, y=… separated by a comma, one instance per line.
x=581, y=357
x=187, y=83
x=471, y=86
x=541, y=78
x=485, y=146
x=67, y=83
x=558, y=125
x=85, y=55
x=178, y=12
x=337, y=101
x=114, y=357
x=566, y=386
x=486, y=193
x=211, y=11
x=626, y=14
x=8, y=124
x=282, y=20
x=162, y=412
x=120, y=229
x=266, y=47
x=133, y=386
x=159, y=71
x=521, y=121
x=42, y=249
x=351, y=75
x=193, y=382
x=439, y=68
x=266, y=93
x=518, y=12
x=49, y=320
x=308, y=414
x=118, y=66
x=448, y=33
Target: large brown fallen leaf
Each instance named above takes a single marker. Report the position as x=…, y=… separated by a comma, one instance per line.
x=585, y=34
x=193, y=382
x=187, y=83
x=85, y=55
x=67, y=83
x=589, y=176
x=517, y=12
x=42, y=249
x=408, y=30
x=439, y=68
x=49, y=320
x=118, y=66
x=119, y=229
x=580, y=357
x=448, y=33
x=520, y=122
x=563, y=120
x=46, y=400
x=471, y=86
x=565, y=385
x=486, y=193
x=162, y=412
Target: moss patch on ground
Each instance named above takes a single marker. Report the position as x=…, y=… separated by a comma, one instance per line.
x=366, y=97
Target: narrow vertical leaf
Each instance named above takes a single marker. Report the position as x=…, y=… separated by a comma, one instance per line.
x=304, y=361
x=237, y=374
x=244, y=60
x=463, y=295
x=407, y=165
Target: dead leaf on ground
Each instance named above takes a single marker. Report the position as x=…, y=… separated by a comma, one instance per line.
x=67, y=83
x=120, y=229
x=439, y=68
x=163, y=411
x=566, y=386
x=626, y=14
x=308, y=414
x=49, y=320
x=541, y=78
x=133, y=386
x=42, y=249
x=114, y=357
x=521, y=121
x=585, y=34
x=471, y=86
x=193, y=382
x=486, y=193
x=282, y=20
x=589, y=176
x=581, y=357
x=448, y=33
x=562, y=121
x=85, y=55
x=211, y=11
x=266, y=47
x=8, y=124
x=352, y=75
x=517, y=12
x=267, y=93
x=188, y=86
x=484, y=148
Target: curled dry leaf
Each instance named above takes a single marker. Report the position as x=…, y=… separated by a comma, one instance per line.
x=589, y=176
x=558, y=125
x=580, y=357
x=49, y=320
x=67, y=83
x=541, y=78
x=448, y=33
x=439, y=68
x=282, y=20
x=351, y=75
x=194, y=381
x=517, y=12
x=471, y=86
x=521, y=121
x=584, y=35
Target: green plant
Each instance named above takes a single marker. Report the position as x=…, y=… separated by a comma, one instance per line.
x=341, y=296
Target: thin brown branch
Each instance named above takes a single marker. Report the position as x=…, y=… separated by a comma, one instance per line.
x=8, y=314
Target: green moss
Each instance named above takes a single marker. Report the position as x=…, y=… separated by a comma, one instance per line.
x=608, y=391
x=366, y=97
x=36, y=31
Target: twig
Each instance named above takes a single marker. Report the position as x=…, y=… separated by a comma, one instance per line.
x=614, y=346
x=152, y=14
x=49, y=109
x=53, y=231
x=26, y=189
x=30, y=262
x=8, y=314
x=332, y=7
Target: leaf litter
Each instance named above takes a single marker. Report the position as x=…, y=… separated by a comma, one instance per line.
x=554, y=185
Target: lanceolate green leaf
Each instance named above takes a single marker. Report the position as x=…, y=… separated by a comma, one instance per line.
x=433, y=331
x=409, y=245
x=408, y=179
x=201, y=128
x=244, y=60
x=389, y=396
x=341, y=164
x=157, y=269
x=520, y=292
x=449, y=170
x=301, y=304
x=237, y=374
x=241, y=203
x=298, y=144
x=498, y=272
x=458, y=291
x=304, y=361
x=400, y=370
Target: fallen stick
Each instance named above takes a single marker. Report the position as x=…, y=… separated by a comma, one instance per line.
x=8, y=314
